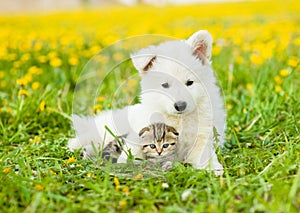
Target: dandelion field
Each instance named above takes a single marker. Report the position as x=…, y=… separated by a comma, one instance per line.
x=256, y=58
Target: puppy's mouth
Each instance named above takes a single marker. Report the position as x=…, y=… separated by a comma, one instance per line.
x=179, y=113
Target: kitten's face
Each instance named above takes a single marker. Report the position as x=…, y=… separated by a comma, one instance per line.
x=158, y=140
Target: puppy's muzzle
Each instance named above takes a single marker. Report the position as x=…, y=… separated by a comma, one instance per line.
x=180, y=106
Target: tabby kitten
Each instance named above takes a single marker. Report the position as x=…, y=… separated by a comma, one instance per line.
x=159, y=143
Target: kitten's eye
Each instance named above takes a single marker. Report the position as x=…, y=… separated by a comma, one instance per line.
x=165, y=145
x=152, y=146
x=189, y=83
x=165, y=85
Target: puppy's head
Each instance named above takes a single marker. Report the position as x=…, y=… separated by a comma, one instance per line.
x=173, y=73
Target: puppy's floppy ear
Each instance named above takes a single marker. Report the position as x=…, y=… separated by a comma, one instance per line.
x=144, y=130
x=143, y=62
x=201, y=43
x=172, y=130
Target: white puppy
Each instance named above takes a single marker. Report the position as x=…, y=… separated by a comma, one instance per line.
x=178, y=88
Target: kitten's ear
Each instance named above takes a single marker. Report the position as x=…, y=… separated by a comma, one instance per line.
x=172, y=130
x=143, y=62
x=201, y=43
x=143, y=131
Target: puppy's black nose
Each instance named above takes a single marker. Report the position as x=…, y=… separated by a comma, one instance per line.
x=180, y=106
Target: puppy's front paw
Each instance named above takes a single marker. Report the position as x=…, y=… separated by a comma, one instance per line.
x=219, y=172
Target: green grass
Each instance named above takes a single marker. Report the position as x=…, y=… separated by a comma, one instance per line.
x=261, y=156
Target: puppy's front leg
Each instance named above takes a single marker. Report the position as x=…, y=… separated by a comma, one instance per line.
x=203, y=156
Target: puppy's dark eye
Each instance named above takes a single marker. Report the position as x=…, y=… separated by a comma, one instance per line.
x=165, y=145
x=165, y=85
x=189, y=83
x=152, y=146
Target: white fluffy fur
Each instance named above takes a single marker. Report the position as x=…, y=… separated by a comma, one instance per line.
x=175, y=62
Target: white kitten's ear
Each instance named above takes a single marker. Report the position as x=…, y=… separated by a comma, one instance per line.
x=144, y=131
x=201, y=43
x=143, y=62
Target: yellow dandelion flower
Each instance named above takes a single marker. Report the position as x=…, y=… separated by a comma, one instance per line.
x=39, y=187
x=249, y=86
x=34, y=70
x=42, y=106
x=3, y=51
x=293, y=61
x=71, y=160
x=52, y=172
x=117, y=183
x=38, y=46
x=139, y=177
x=101, y=99
x=256, y=59
x=94, y=50
x=23, y=92
x=36, y=139
x=22, y=81
x=278, y=79
x=55, y=62
x=42, y=59
x=35, y=85
x=6, y=170
x=126, y=190
x=97, y=108
x=277, y=88
x=132, y=82
x=73, y=61
x=284, y=72
x=122, y=204
x=28, y=77
x=267, y=53
x=52, y=55
x=228, y=106
x=90, y=175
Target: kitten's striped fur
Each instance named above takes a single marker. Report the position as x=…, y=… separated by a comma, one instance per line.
x=158, y=145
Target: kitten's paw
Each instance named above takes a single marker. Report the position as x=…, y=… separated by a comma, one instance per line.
x=166, y=166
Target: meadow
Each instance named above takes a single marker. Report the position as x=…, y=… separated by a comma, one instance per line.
x=256, y=58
